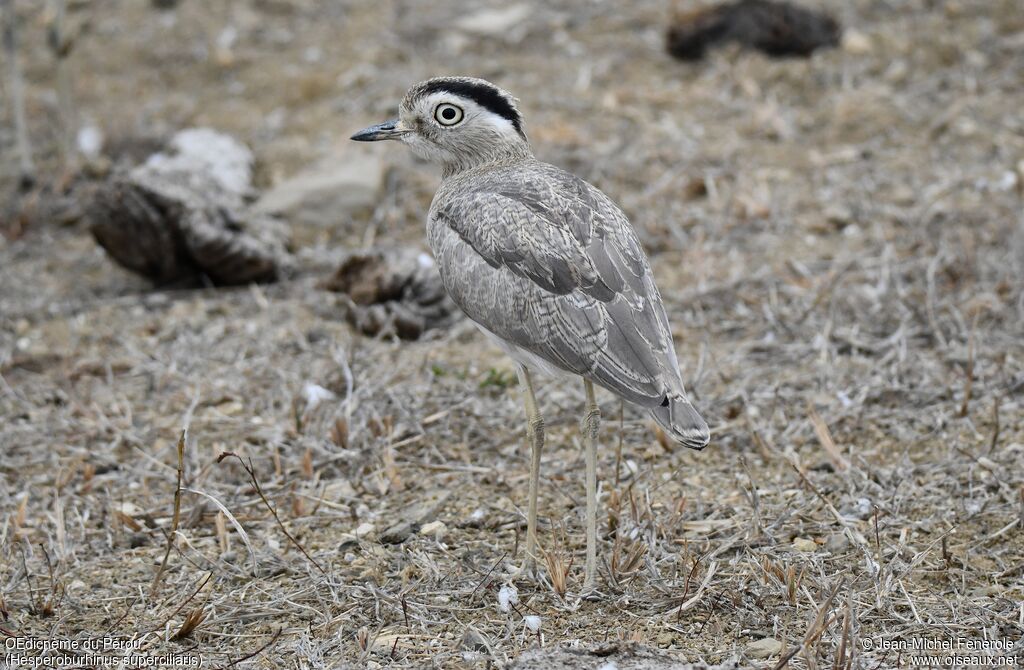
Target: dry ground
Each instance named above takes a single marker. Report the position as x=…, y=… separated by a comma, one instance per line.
x=839, y=245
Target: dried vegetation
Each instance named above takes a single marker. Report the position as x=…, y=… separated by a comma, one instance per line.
x=839, y=243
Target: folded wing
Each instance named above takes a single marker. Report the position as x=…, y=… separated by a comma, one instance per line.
x=547, y=262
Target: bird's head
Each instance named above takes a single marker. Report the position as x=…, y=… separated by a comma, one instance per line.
x=457, y=122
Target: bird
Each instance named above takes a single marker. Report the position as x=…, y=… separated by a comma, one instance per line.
x=546, y=266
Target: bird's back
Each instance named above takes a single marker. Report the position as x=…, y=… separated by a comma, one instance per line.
x=550, y=265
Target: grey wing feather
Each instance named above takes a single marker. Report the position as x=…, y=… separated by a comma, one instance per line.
x=547, y=262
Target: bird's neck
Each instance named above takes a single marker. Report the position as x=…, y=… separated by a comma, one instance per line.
x=497, y=153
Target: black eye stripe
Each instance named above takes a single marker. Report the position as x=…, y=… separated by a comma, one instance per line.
x=483, y=94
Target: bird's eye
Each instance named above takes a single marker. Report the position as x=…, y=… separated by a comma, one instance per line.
x=447, y=114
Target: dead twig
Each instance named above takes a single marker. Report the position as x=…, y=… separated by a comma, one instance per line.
x=969, y=369
x=825, y=439
x=190, y=624
x=268, y=645
x=9, y=23
x=814, y=631
x=712, y=568
x=851, y=532
x=995, y=424
x=180, y=607
x=176, y=519
x=61, y=43
x=686, y=585
x=259, y=491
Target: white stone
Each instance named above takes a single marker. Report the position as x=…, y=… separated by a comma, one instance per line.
x=435, y=529
x=206, y=152
x=90, y=141
x=339, y=186
x=856, y=43
x=315, y=395
x=493, y=22
x=803, y=544
x=508, y=595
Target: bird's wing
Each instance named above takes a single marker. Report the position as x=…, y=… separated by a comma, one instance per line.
x=547, y=262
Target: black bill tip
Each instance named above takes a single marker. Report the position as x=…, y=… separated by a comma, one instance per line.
x=381, y=131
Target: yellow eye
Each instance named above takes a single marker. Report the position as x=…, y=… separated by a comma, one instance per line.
x=447, y=114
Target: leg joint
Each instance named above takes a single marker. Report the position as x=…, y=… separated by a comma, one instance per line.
x=591, y=421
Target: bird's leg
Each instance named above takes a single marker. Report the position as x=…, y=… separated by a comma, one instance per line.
x=535, y=435
x=589, y=428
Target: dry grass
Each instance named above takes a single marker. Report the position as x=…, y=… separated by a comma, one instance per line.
x=838, y=241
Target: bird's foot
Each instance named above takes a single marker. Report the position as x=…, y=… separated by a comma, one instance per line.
x=590, y=592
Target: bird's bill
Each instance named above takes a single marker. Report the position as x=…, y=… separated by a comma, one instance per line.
x=389, y=130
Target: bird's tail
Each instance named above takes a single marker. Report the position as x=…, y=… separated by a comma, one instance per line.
x=681, y=421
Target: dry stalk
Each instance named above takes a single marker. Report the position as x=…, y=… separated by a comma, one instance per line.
x=259, y=491
x=688, y=604
x=969, y=369
x=1020, y=513
x=793, y=582
x=61, y=44
x=628, y=566
x=15, y=88
x=271, y=642
x=851, y=532
x=487, y=575
x=995, y=424
x=558, y=570
x=56, y=595
x=190, y=624
x=686, y=585
x=181, y=606
x=840, y=661
x=818, y=626
x=825, y=439
x=755, y=500
x=175, y=520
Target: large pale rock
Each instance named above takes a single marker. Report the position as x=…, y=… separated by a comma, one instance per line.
x=183, y=215
x=206, y=153
x=346, y=183
x=494, y=22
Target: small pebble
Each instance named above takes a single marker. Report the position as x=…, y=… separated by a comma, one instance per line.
x=803, y=544
x=837, y=543
x=764, y=648
x=856, y=43
x=437, y=529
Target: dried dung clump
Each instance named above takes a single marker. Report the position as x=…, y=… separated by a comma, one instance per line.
x=618, y=655
x=778, y=29
x=393, y=292
x=182, y=215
